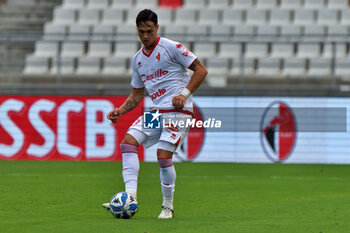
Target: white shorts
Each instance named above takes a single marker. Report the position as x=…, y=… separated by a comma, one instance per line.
x=170, y=137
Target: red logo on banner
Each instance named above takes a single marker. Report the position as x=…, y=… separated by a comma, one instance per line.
x=278, y=128
x=61, y=128
x=194, y=141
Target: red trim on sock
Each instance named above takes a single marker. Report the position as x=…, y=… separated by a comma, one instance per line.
x=128, y=148
x=165, y=162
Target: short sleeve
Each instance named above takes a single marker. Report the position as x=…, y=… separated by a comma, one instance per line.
x=182, y=55
x=136, y=81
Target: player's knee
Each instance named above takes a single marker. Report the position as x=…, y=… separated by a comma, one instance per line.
x=165, y=149
x=165, y=152
x=128, y=139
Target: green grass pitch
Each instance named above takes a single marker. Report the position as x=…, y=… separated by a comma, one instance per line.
x=66, y=197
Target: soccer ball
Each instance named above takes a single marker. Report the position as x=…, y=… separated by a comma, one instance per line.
x=123, y=205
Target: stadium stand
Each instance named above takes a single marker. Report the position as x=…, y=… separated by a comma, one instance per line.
x=218, y=4
x=287, y=4
x=55, y=32
x=72, y=49
x=73, y=4
x=294, y=67
x=338, y=4
x=78, y=32
x=269, y=67
x=103, y=32
x=36, y=65
x=281, y=50
x=99, y=49
x=256, y=17
x=114, y=66
x=98, y=4
x=280, y=17
x=266, y=4
x=257, y=38
x=314, y=4
x=63, y=65
x=319, y=67
x=175, y=32
x=88, y=66
x=17, y=17
x=88, y=16
x=232, y=16
x=64, y=16
x=220, y=32
x=243, y=4
x=194, y=4
x=165, y=16
x=196, y=32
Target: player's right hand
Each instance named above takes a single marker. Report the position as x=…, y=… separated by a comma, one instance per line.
x=114, y=115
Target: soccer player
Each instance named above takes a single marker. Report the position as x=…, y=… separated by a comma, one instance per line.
x=160, y=66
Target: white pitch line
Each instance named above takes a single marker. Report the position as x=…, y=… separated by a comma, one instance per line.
x=303, y=178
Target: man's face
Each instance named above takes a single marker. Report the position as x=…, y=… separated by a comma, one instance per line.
x=148, y=33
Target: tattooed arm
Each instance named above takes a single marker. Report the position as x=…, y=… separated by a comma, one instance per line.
x=199, y=73
x=133, y=100
x=130, y=103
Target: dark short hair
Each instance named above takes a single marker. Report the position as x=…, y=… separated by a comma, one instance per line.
x=146, y=15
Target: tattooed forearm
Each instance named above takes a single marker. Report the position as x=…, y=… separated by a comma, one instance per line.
x=131, y=103
x=133, y=100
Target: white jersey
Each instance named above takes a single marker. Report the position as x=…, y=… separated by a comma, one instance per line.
x=163, y=72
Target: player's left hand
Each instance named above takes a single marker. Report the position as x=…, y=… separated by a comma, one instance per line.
x=179, y=102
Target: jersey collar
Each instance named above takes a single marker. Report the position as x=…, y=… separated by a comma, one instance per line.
x=149, y=54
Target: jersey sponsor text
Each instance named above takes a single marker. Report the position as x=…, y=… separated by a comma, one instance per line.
x=157, y=94
x=159, y=73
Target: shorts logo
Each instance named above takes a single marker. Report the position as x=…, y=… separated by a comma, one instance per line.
x=278, y=131
x=152, y=120
x=157, y=94
x=171, y=127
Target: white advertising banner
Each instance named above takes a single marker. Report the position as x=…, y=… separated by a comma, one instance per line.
x=229, y=129
x=269, y=129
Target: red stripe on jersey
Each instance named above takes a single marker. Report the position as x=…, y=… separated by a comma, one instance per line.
x=149, y=54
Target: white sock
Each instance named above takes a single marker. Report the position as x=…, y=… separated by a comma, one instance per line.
x=131, y=167
x=167, y=179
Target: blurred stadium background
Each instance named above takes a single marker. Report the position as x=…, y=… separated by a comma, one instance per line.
x=279, y=73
